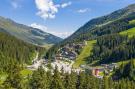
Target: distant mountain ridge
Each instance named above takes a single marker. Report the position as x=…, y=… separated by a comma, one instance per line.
x=26, y=33
x=103, y=20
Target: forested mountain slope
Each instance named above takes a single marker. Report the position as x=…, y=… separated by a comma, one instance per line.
x=115, y=42
x=111, y=23
x=113, y=48
x=27, y=34
x=13, y=51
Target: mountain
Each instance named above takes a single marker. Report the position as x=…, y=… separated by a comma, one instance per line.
x=87, y=30
x=110, y=39
x=26, y=33
x=115, y=22
x=13, y=50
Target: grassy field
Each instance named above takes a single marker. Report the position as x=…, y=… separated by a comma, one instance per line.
x=26, y=72
x=81, y=59
x=132, y=22
x=3, y=77
x=125, y=62
x=48, y=46
x=129, y=32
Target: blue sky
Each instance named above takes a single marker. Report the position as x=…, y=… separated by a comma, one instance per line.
x=59, y=17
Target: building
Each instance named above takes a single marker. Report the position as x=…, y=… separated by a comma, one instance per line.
x=98, y=71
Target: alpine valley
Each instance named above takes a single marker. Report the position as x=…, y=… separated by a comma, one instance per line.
x=26, y=33
x=99, y=55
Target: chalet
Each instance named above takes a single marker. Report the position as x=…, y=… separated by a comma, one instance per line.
x=97, y=71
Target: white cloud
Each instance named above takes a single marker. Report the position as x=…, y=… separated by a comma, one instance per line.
x=45, y=29
x=83, y=10
x=66, y=4
x=15, y=3
x=47, y=8
x=35, y=25
x=62, y=34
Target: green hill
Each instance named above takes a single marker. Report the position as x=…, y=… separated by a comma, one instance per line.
x=13, y=50
x=112, y=45
x=26, y=33
x=116, y=22
x=126, y=70
x=86, y=52
x=130, y=32
x=113, y=23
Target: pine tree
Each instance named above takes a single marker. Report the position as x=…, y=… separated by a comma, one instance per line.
x=14, y=79
x=56, y=82
x=39, y=80
x=106, y=84
x=82, y=81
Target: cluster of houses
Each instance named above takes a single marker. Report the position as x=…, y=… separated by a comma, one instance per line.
x=104, y=69
x=70, y=51
x=36, y=64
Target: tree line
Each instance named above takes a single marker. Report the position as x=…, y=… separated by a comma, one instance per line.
x=41, y=79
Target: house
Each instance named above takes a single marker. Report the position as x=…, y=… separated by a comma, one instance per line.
x=95, y=72
x=98, y=71
x=72, y=55
x=110, y=67
x=58, y=57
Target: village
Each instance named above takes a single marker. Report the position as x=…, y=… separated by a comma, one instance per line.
x=65, y=58
x=100, y=71
x=70, y=51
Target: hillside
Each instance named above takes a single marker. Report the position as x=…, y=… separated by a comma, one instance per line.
x=98, y=26
x=115, y=39
x=86, y=52
x=26, y=33
x=116, y=22
x=13, y=50
x=130, y=32
x=126, y=70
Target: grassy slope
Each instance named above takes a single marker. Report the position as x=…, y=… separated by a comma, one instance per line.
x=125, y=62
x=87, y=49
x=129, y=32
x=26, y=72
x=3, y=77
x=132, y=22
x=84, y=54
